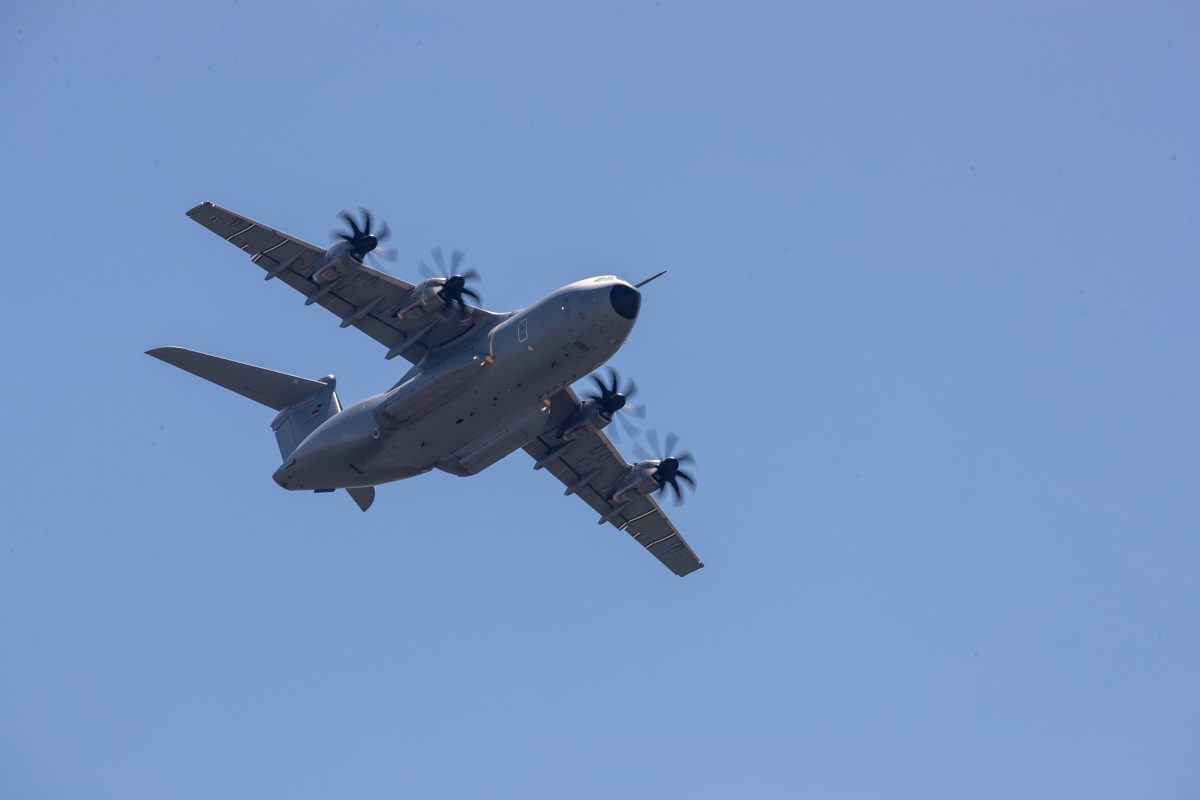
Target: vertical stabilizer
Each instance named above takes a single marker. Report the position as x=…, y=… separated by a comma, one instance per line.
x=293, y=424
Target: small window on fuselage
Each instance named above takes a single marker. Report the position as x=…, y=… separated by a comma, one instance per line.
x=523, y=330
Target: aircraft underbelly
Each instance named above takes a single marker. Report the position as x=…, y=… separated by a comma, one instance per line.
x=475, y=422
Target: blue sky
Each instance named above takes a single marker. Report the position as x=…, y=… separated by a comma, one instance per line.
x=930, y=327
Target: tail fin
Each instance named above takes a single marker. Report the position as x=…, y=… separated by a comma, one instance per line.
x=293, y=424
x=302, y=403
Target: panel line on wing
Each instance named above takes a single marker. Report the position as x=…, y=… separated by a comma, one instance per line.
x=629, y=522
x=275, y=247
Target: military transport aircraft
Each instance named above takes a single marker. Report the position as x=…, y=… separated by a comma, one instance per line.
x=482, y=384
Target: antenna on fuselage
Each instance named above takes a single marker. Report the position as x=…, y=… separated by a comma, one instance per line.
x=652, y=277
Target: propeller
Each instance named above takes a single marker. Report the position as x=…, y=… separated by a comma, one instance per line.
x=361, y=238
x=668, y=472
x=454, y=286
x=611, y=400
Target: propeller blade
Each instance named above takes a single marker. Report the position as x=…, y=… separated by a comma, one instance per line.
x=366, y=219
x=384, y=232
x=600, y=385
x=437, y=258
x=426, y=270
x=672, y=440
x=353, y=225
x=612, y=374
x=629, y=427
x=472, y=295
x=685, y=458
x=456, y=257
x=630, y=389
x=471, y=275
x=652, y=435
x=640, y=453
x=637, y=412
x=685, y=476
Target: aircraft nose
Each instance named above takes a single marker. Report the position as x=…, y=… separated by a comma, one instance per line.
x=625, y=300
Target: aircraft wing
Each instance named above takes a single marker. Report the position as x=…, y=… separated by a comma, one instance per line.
x=364, y=298
x=642, y=519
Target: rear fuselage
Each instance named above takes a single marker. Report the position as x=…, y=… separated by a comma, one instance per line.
x=465, y=409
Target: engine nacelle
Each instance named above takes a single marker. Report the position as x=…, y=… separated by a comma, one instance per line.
x=638, y=481
x=331, y=266
x=589, y=417
x=425, y=300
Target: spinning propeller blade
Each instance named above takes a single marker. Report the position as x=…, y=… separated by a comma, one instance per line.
x=362, y=240
x=454, y=283
x=668, y=471
x=611, y=399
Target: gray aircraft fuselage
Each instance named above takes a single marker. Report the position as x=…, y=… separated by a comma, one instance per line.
x=463, y=409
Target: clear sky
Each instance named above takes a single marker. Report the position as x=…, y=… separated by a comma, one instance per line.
x=930, y=327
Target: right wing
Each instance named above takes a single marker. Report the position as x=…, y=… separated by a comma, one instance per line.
x=361, y=297
x=591, y=464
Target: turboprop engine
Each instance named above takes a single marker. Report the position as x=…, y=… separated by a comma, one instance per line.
x=597, y=411
x=651, y=474
x=442, y=294
x=351, y=247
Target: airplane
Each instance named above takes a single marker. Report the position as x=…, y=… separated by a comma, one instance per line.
x=482, y=384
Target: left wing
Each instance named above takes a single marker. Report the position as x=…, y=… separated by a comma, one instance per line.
x=588, y=466
x=361, y=297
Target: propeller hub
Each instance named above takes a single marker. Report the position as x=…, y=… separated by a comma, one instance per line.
x=609, y=398
x=365, y=244
x=449, y=284
x=361, y=237
x=668, y=471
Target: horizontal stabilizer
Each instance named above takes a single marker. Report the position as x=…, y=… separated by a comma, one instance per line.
x=363, y=495
x=277, y=390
